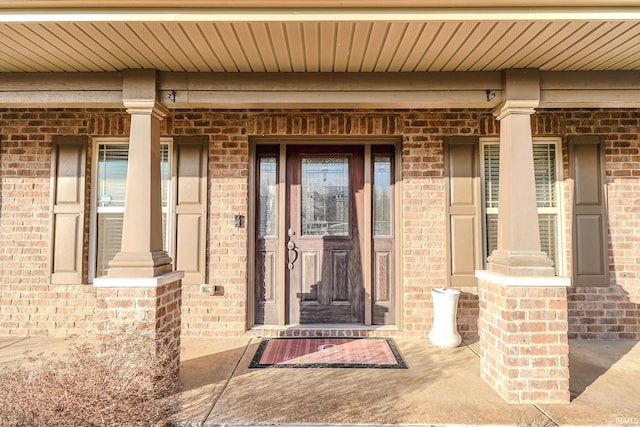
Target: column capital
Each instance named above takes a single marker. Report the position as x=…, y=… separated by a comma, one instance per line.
x=146, y=106
x=516, y=106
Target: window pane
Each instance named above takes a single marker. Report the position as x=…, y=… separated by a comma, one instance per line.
x=382, y=196
x=492, y=233
x=544, y=164
x=165, y=184
x=491, y=171
x=547, y=224
x=165, y=244
x=544, y=159
x=112, y=175
x=112, y=181
x=325, y=196
x=109, y=240
x=164, y=174
x=267, y=209
x=545, y=173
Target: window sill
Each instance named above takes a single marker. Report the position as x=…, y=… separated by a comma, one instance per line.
x=137, y=282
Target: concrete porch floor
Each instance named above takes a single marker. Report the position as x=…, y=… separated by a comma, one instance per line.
x=441, y=387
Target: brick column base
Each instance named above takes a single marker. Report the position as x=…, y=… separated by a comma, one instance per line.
x=151, y=306
x=524, y=349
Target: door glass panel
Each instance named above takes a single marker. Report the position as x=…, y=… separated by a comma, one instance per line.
x=382, y=196
x=325, y=196
x=268, y=190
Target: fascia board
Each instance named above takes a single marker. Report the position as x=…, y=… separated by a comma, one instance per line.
x=308, y=4
x=320, y=14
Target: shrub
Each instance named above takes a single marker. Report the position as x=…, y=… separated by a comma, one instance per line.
x=128, y=381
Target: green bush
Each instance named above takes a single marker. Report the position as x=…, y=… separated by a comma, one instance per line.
x=127, y=382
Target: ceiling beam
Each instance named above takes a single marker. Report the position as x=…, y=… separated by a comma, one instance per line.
x=331, y=90
x=615, y=89
x=589, y=89
x=61, y=90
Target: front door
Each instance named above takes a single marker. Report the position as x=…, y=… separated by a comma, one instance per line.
x=324, y=234
x=324, y=222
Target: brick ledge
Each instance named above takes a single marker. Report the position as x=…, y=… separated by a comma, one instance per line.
x=522, y=281
x=137, y=282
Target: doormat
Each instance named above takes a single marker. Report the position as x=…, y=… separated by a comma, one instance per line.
x=327, y=352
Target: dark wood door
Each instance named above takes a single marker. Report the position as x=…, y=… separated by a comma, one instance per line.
x=325, y=207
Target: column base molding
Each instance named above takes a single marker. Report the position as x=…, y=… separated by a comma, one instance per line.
x=147, y=264
x=521, y=263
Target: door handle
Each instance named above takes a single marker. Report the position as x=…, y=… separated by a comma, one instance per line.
x=292, y=254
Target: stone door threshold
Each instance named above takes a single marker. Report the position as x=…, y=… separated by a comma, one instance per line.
x=324, y=330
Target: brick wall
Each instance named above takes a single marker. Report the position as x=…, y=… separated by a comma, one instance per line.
x=149, y=308
x=524, y=350
x=30, y=305
x=424, y=217
x=155, y=312
x=614, y=311
x=220, y=315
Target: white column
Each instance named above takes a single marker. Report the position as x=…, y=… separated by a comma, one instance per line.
x=518, y=252
x=519, y=270
x=142, y=253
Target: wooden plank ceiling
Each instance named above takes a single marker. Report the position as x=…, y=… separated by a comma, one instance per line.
x=341, y=46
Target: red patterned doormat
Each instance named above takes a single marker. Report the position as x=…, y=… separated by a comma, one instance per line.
x=327, y=352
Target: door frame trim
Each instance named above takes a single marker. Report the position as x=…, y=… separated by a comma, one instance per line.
x=368, y=235
x=282, y=142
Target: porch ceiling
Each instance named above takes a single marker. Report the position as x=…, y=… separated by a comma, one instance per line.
x=319, y=40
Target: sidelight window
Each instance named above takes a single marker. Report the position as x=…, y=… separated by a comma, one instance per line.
x=382, y=195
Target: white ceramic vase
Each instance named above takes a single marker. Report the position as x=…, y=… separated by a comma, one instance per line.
x=444, y=331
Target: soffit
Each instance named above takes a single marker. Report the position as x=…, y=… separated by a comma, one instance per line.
x=362, y=40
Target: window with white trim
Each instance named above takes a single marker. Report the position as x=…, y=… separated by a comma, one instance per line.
x=110, y=160
x=547, y=159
